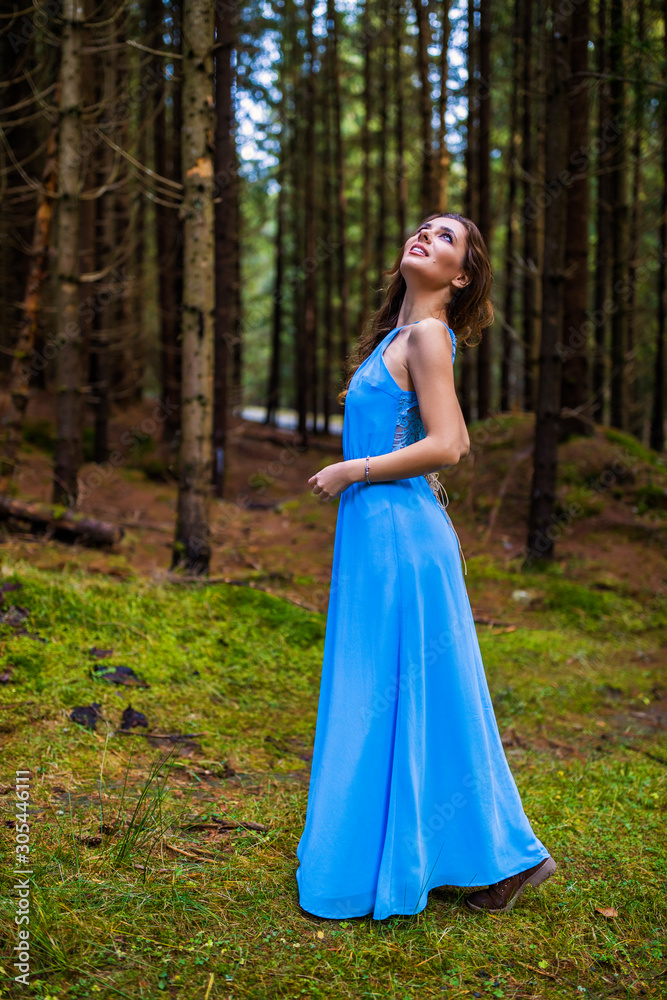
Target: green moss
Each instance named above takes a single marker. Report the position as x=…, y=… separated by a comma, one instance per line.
x=131, y=916
x=631, y=445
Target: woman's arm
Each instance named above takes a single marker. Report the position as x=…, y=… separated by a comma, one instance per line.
x=429, y=360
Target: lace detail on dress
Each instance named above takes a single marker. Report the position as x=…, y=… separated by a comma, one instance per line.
x=409, y=428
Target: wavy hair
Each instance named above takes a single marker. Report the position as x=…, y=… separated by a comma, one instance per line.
x=468, y=313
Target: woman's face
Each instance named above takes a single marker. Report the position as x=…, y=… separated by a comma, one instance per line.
x=434, y=255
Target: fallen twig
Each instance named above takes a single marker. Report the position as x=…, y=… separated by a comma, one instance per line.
x=188, y=854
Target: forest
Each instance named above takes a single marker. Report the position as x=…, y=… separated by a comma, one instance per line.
x=210, y=223
x=202, y=203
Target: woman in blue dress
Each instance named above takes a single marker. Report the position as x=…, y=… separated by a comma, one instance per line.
x=410, y=787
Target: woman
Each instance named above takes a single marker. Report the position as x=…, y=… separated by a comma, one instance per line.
x=410, y=788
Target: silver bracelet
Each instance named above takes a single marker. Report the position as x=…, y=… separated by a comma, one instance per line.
x=367, y=479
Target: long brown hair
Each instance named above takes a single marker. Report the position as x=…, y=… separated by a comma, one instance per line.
x=468, y=313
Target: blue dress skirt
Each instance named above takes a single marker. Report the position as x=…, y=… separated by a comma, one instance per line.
x=410, y=787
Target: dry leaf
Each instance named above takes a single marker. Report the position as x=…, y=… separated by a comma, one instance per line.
x=320, y=934
x=606, y=911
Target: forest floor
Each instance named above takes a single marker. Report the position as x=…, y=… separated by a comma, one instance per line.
x=163, y=856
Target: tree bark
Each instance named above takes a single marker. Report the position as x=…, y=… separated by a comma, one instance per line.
x=225, y=233
x=273, y=388
x=64, y=526
x=657, y=435
x=575, y=418
x=169, y=235
x=399, y=134
x=341, y=198
x=530, y=214
x=108, y=240
x=484, y=221
x=542, y=528
x=510, y=269
x=380, y=227
x=366, y=147
x=297, y=183
x=310, y=290
x=472, y=187
x=192, y=548
x=603, y=224
x=23, y=360
x=442, y=178
x=620, y=218
x=427, y=196
x=635, y=403
x=69, y=409
x=328, y=214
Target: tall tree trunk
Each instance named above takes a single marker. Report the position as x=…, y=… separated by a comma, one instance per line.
x=542, y=529
x=427, y=196
x=657, y=436
x=129, y=351
x=192, y=548
x=169, y=235
x=366, y=152
x=508, y=311
x=472, y=186
x=619, y=229
x=273, y=388
x=126, y=199
x=310, y=155
x=603, y=223
x=380, y=227
x=89, y=157
x=69, y=410
x=484, y=220
x=636, y=410
x=106, y=313
x=23, y=367
x=574, y=353
x=341, y=197
x=19, y=40
x=328, y=212
x=401, y=198
x=238, y=227
x=273, y=391
x=530, y=214
x=297, y=183
x=442, y=178
x=225, y=231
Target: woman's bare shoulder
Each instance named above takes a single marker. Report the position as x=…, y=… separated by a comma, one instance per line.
x=430, y=337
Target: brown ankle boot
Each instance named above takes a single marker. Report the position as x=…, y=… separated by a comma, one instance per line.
x=501, y=896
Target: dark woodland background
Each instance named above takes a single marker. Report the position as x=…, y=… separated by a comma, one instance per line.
x=327, y=131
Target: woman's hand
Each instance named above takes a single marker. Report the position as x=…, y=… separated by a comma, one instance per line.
x=330, y=482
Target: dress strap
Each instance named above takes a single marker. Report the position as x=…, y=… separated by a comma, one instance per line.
x=396, y=328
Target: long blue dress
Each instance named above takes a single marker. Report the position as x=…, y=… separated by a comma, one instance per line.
x=410, y=787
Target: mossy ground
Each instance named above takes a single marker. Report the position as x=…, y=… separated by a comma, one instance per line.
x=129, y=900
